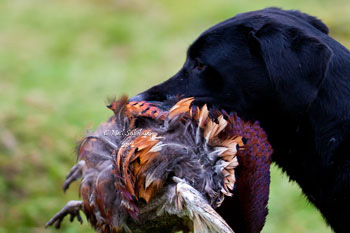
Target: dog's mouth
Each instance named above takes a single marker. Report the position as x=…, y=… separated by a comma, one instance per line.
x=166, y=101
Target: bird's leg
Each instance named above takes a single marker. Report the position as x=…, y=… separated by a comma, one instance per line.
x=72, y=208
x=75, y=173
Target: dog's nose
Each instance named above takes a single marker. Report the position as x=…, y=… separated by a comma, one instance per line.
x=138, y=97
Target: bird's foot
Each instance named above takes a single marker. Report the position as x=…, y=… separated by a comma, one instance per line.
x=75, y=173
x=72, y=208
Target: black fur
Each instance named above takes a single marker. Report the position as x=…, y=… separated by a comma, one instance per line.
x=282, y=69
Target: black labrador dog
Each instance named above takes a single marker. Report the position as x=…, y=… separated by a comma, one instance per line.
x=284, y=70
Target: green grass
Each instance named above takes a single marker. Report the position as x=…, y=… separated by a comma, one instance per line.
x=60, y=59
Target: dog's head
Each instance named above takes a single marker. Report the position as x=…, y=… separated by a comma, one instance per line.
x=266, y=65
x=252, y=62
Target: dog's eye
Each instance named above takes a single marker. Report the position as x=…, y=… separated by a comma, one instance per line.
x=199, y=65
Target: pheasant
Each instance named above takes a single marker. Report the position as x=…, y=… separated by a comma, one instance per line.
x=162, y=167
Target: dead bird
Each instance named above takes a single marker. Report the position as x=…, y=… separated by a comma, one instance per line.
x=153, y=167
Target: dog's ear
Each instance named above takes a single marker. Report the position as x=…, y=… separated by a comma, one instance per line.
x=296, y=62
x=311, y=20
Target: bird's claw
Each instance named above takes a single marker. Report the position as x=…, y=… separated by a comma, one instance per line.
x=72, y=208
x=75, y=173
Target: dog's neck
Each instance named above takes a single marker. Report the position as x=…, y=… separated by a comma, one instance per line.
x=321, y=128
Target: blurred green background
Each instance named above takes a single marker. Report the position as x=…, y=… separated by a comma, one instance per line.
x=60, y=59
